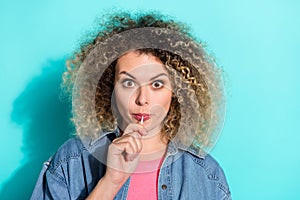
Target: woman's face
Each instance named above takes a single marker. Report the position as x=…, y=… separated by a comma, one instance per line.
x=142, y=90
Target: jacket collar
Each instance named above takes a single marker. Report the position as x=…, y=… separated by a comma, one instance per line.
x=174, y=145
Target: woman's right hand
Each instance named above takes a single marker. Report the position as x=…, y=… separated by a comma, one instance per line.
x=123, y=154
x=122, y=159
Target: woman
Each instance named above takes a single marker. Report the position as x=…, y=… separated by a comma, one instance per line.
x=147, y=105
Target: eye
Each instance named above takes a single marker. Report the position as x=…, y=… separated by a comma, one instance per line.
x=157, y=84
x=128, y=83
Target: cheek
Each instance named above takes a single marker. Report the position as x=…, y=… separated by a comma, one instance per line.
x=164, y=100
x=123, y=99
x=168, y=101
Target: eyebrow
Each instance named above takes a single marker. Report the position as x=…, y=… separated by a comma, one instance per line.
x=126, y=73
x=158, y=75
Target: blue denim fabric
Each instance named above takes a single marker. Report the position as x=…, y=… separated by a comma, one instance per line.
x=76, y=168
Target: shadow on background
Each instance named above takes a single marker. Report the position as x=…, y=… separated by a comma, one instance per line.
x=46, y=125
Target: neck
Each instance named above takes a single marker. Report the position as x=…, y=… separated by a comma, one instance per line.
x=154, y=146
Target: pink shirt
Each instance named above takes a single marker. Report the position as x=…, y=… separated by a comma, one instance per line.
x=143, y=182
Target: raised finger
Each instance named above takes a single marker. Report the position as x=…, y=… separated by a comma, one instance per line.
x=129, y=146
x=135, y=128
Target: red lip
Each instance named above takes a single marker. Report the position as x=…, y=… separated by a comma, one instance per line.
x=139, y=116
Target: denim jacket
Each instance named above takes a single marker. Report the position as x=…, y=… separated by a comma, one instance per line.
x=76, y=168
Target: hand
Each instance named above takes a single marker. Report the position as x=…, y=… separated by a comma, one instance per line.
x=123, y=154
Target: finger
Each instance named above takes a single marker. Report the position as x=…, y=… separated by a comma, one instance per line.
x=135, y=128
x=136, y=143
x=129, y=146
x=132, y=140
x=122, y=149
x=127, y=135
x=136, y=137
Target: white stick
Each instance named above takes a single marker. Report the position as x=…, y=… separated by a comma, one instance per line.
x=142, y=120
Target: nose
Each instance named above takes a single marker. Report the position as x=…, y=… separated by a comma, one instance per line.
x=142, y=97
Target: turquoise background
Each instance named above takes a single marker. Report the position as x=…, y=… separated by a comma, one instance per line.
x=257, y=42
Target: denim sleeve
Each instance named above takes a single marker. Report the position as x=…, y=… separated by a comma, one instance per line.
x=222, y=189
x=50, y=186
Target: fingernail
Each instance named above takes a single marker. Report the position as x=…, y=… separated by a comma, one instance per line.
x=132, y=158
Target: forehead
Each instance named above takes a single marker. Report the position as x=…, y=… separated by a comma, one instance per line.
x=136, y=62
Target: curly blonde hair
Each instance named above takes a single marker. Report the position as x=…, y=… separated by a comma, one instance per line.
x=192, y=88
